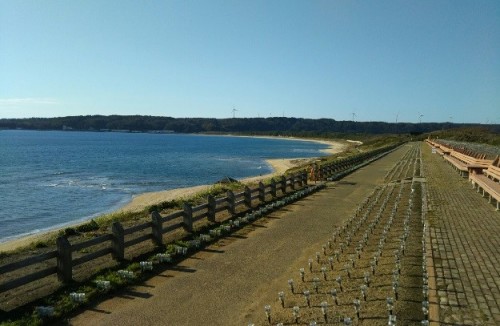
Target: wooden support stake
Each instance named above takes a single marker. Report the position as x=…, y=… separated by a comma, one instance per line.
x=304, y=178
x=64, y=263
x=273, y=188
x=248, y=197
x=231, y=202
x=211, y=208
x=292, y=181
x=187, y=221
x=157, y=228
x=262, y=192
x=118, y=242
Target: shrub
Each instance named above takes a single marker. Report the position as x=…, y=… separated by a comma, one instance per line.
x=69, y=232
x=87, y=227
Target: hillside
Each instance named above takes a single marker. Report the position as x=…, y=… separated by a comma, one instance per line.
x=274, y=125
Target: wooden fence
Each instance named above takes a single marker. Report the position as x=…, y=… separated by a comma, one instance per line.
x=233, y=203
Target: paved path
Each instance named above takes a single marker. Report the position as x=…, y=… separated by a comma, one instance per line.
x=230, y=284
x=465, y=232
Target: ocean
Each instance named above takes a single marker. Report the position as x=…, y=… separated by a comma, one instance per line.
x=49, y=179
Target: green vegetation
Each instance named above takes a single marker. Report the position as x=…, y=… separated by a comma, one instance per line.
x=217, y=190
x=278, y=126
x=481, y=135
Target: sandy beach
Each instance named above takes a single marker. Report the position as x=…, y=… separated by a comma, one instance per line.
x=279, y=166
x=139, y=202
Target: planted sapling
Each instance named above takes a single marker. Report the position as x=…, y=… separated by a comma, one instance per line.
x=290, y=284
x=333, y=292
x=267, y=309
x=307, y=296
x=281, y=297
x=324, y=306
x=296, y=315
x=357, y=306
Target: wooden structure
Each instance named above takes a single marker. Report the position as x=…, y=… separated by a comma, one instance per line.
x=482, y=172
x=488, y=181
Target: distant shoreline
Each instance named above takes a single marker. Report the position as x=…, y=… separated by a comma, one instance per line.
x=143, y=200
x=279, y=166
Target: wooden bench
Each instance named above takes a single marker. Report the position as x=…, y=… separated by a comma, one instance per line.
x=493, y=170
x=440, y=149
x=488, y=182
x=458, y=164
x=468, y=162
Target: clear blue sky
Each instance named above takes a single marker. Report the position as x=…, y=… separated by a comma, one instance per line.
x=425, y=59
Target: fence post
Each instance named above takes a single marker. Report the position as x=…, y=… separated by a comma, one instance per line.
x=292, y=181
x=248, y=197
x=322, y=171
x=64, y=263
x=211, y=209
x=283, y=185
x=118, y=241
x=187, y=221
x=157, y=228
x=231, y=200
x=273, y=188
x=262, y=192
x=329, y=171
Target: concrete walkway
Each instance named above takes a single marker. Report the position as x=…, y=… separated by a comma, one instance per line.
x=465, y=233
x=230, y=282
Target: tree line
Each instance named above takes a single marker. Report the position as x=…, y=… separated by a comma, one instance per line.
x=278, y=125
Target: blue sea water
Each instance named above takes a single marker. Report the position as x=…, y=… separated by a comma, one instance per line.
x=52, y=178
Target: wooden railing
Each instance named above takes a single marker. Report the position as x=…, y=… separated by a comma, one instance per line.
x=160, y=227
x=155, y=231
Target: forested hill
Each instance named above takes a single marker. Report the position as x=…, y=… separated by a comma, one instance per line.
x=283, y=126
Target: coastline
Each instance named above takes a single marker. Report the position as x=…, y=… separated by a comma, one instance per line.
x=279, y=167
x=141, y=201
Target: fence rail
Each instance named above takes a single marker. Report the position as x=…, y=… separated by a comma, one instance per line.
x=233, y=203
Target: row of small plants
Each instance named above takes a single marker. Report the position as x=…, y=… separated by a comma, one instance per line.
x=401, y=169
x=65, y=302
x=372, y=259
x=340, y=174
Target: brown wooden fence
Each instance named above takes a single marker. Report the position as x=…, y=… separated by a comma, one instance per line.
x=116, y=240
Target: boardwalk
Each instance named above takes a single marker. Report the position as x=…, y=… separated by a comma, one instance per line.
x=465, y=233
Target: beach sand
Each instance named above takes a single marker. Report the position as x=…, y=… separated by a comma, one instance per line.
x=279, y=166
x=139, y=202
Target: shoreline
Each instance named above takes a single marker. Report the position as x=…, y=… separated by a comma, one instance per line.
x=143, y=200
x=279, y=166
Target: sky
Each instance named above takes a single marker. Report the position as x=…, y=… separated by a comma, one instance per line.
x=404, y=61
